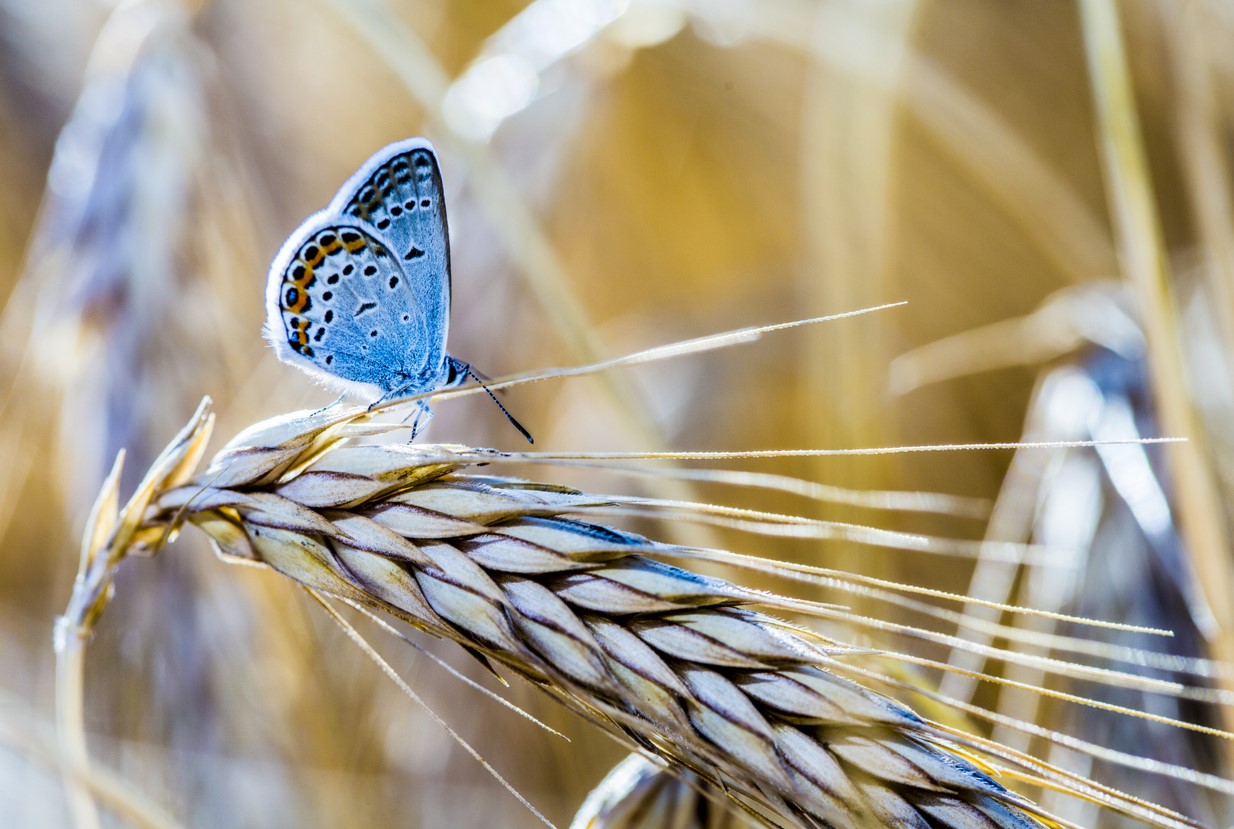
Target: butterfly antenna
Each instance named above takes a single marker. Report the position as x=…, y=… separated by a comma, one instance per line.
x=504, y=410
x=481, y=376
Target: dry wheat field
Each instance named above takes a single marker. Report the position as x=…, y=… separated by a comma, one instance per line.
x=961, y=560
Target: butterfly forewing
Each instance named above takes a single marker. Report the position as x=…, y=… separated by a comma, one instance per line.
x=399, y=193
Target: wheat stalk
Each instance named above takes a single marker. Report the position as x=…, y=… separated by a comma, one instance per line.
x=676, y=664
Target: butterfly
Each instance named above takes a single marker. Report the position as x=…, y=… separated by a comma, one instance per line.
x=359, y=294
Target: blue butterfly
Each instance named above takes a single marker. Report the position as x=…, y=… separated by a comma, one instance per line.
x=359, y=294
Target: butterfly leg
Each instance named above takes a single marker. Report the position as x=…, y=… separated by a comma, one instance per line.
x=330, y=405
x=393, y=394
x=422, y=411
x=383, y=399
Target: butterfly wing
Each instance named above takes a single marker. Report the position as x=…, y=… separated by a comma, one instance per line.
x=338, y=306
x=399, y=193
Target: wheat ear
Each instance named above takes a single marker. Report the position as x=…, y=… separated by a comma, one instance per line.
x=676, y=664
x=641, y=794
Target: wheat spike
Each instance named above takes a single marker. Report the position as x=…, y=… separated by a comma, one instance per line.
x=677, y=664
x=640, y=794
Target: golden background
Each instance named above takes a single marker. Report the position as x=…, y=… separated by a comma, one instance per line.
x=619, y=175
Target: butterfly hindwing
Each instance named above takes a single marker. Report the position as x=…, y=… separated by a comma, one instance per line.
x=338, y=305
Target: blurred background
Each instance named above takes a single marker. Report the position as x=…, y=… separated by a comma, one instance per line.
x=1046, y=182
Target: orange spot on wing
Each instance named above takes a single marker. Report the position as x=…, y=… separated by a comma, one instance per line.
x=301, y=303
x=301, y=332
x=306, y=279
